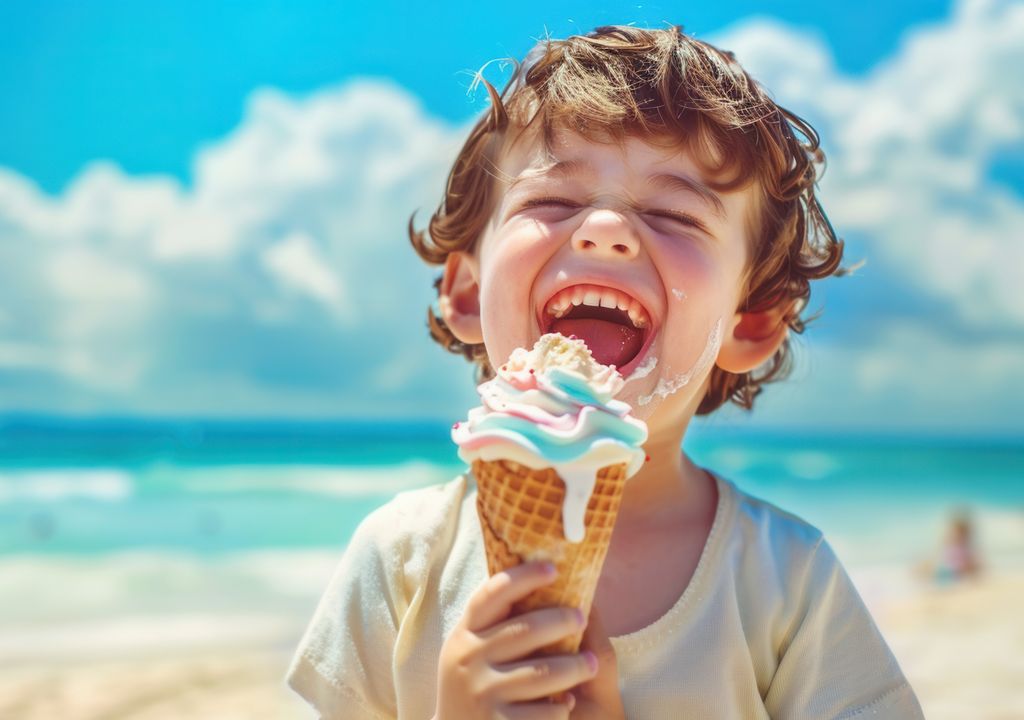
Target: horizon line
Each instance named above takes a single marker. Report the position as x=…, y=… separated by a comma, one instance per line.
x=15, y=420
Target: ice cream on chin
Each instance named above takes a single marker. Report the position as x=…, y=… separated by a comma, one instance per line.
x=553, y=407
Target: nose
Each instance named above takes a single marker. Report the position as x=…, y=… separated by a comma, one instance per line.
x=606, y=233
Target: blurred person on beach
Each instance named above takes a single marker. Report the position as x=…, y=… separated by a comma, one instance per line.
x=650, y=163
x=958, y=558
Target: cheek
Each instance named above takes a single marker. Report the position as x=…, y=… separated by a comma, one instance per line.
x=698, y=295
x=508, y=270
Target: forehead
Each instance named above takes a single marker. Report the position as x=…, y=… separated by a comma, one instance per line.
x=570, y=153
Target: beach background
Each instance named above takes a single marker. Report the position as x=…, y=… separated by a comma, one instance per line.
x=214, y=359
x=152, y=570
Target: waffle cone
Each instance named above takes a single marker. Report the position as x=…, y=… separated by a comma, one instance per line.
x=520, y=513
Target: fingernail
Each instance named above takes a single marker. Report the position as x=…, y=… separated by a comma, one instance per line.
x=579, y=616
x=572, y=701
x=591, y=659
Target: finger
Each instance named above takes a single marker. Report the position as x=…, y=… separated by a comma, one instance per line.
x=541, y=710
x=493, y=601
x=595, y=639
x=544, y=676
x=522, y=635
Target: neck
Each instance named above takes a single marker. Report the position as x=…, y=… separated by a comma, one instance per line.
x=668, y=485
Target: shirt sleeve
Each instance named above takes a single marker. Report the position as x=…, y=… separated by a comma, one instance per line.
x=343, y=665
x=835, y=664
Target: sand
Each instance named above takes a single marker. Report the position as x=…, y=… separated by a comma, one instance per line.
x=224, y=685
x=961, y=647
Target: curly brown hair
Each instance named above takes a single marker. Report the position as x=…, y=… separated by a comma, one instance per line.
x=665, y=87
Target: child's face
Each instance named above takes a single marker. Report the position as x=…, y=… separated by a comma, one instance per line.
x=613, y=227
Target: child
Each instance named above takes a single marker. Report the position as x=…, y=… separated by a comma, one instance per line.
x=650, y=163
x=958, y=558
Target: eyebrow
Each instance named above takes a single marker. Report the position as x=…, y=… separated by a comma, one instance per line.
x=665, y=181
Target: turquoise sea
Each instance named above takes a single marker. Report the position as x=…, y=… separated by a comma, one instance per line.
x=106, y=520
x=87, y=487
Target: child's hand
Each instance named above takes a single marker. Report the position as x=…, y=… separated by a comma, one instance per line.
x=483, y=671
x=599, y=698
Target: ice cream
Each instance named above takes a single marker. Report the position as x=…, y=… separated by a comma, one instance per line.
x=551, y=449
x=553, y=406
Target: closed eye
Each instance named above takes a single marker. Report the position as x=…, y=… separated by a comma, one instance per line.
x=538, y=202
x=681, y=218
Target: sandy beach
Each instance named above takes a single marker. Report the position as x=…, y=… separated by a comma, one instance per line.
x=960, y=646
x=228, y=685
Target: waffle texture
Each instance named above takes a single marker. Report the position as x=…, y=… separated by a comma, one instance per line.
x=520, y=512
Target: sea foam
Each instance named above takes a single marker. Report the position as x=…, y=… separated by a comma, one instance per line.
x=52, y=485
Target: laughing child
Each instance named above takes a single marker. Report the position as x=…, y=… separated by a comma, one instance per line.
x=646, y=169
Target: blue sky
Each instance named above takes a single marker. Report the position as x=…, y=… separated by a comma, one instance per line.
x=146, y=83
x=202, y=205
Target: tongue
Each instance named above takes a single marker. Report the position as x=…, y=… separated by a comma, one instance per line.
x=610, y=343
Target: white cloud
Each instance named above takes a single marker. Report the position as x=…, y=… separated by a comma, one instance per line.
x=276, y=284
x=909, y=146
x=281, y=282
x=911, y=379
x=297, y=264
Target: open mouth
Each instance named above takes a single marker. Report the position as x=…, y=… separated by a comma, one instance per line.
x=615, y=326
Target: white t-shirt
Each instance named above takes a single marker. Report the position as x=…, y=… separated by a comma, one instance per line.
x=770, y=625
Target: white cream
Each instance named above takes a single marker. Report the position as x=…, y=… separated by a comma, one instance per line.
x=573, y=423
x=579, y=485
x=645, y=368
x=680, y=295
x=707, y=357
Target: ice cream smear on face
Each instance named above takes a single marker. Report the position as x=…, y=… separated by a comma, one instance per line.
x=554, y=407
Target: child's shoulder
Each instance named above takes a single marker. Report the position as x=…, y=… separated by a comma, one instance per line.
x=397, y=546
x=784, y=553
x=763, y=525
x=415, y=513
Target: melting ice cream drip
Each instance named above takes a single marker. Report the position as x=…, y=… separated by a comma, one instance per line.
x=664, y=389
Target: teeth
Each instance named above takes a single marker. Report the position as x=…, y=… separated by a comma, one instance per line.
x=558, y=310
x=636, y=315
x=565, y=300
x=559, y=305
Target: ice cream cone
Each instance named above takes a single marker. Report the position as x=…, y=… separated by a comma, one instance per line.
x=520, y=512
x=551, y=449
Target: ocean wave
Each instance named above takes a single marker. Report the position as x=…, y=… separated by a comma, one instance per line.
x=349, y=482
x=102, y=484
x=115, y=485
x=141, y=635
x=810, y=464
x=34, y=588
x=64, y=606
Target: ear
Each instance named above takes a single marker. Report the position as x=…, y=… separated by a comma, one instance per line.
x=459, y=299
x=754, y=337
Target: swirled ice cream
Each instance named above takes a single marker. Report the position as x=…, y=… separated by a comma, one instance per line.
x=553, y=406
